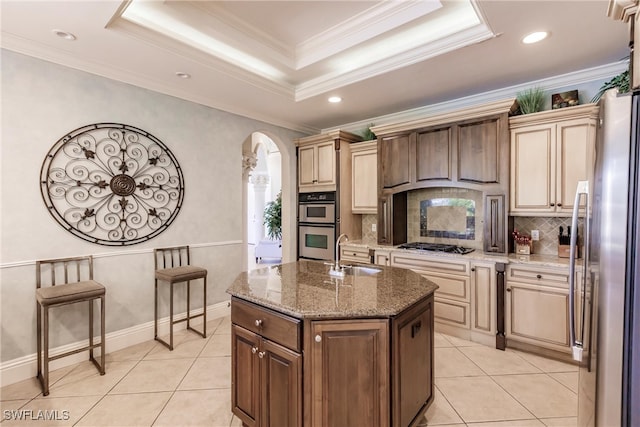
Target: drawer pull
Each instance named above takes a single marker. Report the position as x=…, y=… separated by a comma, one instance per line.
x=539, y=276
x=261, y=354
x=508, y=289
x=254, y=350
x=258, y=323
x=318, y=338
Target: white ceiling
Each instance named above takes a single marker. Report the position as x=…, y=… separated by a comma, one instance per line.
x=279, y=61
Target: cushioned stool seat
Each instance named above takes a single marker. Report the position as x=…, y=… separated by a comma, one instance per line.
x=176, y=268
x=56, y=295
x=181, y=274
x=70, y=292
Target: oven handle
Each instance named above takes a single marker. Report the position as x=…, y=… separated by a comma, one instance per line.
x=317, y=224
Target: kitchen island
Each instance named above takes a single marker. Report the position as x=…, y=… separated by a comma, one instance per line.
x=314, y=349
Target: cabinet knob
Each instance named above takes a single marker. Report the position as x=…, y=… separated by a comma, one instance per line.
x=254, y=350
x=559, y=204
x=258, y=323
x=539, y=276
x=318, y=338
x=473, y=269
x=508, y=289
x=552, y=204
x=261, y=354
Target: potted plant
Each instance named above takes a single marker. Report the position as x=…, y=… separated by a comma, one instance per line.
x=273, y=218
x=621, y=81
x=530, y=101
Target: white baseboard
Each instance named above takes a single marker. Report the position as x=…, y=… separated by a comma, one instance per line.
x=26, y=367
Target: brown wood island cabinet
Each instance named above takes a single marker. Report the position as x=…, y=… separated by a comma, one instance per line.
x=314, y=349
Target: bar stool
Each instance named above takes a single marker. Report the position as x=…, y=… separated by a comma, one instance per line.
x=172, y=265
x=70, y=290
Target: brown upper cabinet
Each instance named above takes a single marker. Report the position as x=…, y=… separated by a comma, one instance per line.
x=455, y=149
x=465, y=148
x=394, y=160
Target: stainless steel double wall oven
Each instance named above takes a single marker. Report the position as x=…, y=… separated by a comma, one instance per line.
x=317, y=225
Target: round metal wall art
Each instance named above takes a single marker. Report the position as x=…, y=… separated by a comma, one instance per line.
x=112, y=184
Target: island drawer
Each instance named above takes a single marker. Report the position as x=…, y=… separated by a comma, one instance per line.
x=270, y=324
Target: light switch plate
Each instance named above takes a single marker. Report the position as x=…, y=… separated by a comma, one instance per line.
x=374, y=227
x=535, y=234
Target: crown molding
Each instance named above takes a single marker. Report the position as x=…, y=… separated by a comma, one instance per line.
x=557, y=82
x=486, y=109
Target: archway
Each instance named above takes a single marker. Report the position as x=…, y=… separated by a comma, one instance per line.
x=268, y=168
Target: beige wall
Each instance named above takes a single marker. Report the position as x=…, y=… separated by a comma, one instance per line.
x=41, y=102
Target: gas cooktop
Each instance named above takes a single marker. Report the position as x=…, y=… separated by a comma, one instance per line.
x=436, y=247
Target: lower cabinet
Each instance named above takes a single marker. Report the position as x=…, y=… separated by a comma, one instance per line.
x=349, y=373
x=537, y=307
x=466, y=297
x=267, y=381
x=382, y=257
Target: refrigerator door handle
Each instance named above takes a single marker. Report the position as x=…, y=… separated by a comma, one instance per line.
x=575, y=343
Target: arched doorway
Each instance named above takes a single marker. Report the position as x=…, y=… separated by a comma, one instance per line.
x=267, y=171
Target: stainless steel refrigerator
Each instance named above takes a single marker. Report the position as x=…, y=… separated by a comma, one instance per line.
x=604, y=327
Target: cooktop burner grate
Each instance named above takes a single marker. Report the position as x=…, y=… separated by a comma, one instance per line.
x=436, y=247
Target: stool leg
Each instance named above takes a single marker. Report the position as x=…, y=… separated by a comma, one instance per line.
x=155, y=310
x=91, y=330
x=102, y=334
x=188, y=303
x=45, y=370
x=204, y=307
x=39, y=344
x=171, y=317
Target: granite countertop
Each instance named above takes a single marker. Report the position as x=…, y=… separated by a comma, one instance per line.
x=304, y=289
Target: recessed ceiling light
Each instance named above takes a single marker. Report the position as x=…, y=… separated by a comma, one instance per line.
x=183, y=75
x=535, y=37
x=335, y=99
x=64, y=35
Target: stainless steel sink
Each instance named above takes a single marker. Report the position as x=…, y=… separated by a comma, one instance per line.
x=359, y=270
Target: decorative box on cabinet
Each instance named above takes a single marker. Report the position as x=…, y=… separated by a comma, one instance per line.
x=364, y=177
x=550, y=152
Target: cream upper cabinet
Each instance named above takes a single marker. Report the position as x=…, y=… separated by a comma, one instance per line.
x=317, y=167
x=364, y=178
x=550, y=152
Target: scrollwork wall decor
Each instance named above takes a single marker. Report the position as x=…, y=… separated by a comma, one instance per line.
x=112, y=184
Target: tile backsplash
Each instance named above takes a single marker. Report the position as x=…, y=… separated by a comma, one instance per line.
x=548, y=227
x=448, y=221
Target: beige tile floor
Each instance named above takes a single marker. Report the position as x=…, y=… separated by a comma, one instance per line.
x=147, y=385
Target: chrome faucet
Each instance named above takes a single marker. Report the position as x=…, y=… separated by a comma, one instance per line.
x=346, y=238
